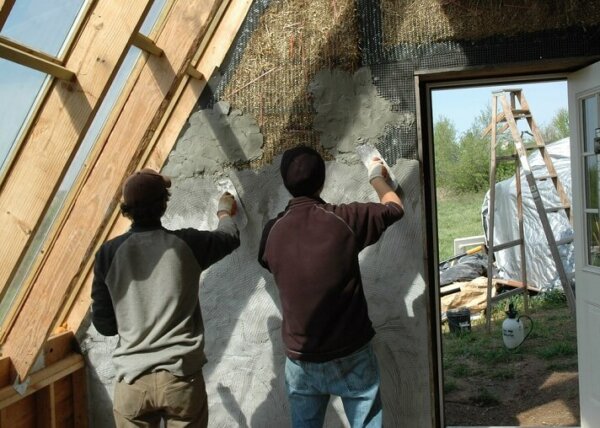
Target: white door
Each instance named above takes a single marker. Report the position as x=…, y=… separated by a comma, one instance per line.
x=584, y=121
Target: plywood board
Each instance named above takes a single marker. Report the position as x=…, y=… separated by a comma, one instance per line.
x=74, y=246
x=51, y=142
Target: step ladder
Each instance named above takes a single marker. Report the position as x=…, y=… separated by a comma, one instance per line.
x=509, y=106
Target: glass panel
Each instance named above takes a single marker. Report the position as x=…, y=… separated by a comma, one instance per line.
x=593, y=238
x=590, y=122
x=74, y=169
x=591, y=182
x=152, y=17
x=19, y=88
x=43, y=25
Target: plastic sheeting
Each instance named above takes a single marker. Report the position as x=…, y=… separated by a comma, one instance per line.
x=540, y=266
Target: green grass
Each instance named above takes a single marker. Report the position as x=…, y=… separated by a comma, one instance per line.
x=477, y=358
x=459, y=215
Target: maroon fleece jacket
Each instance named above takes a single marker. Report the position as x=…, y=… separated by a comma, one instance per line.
x=312, y=249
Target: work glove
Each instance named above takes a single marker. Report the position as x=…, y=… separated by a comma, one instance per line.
x=377, y=169
x=227, y=204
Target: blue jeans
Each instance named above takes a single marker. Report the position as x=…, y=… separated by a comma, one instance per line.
x=354, y=378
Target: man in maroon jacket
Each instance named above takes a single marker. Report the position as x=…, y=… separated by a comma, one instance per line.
x=312, y=250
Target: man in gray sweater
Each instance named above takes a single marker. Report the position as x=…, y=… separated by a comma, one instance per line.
x=145, y=289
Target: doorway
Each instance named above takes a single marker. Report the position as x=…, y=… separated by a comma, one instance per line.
x=482, y=381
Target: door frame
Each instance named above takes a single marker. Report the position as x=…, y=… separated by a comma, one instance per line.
x=424, y=82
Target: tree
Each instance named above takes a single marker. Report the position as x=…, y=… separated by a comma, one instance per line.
x=446, y=151
x=558, y=127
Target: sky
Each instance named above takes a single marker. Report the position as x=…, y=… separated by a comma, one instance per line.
x=463, y=105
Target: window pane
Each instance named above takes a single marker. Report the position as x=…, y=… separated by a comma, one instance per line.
x=19, y=87
x=43, y=25
x=591, y=182
x=590, y=122
x=152, y=16
x=593, y=223
x=33, y=250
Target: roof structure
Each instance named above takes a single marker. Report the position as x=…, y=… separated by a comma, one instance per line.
x=112, y=95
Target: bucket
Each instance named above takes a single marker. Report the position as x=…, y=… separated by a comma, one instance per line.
x=459, y=320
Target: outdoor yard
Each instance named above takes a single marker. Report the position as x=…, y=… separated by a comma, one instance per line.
x=487, y=384
x=533, y=385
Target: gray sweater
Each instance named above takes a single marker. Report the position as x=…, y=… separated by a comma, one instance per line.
x=145, y=289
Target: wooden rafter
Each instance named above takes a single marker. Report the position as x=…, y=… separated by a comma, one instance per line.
x=59, y=128
x=143, y=111
x=5, y=8
x=210, y=55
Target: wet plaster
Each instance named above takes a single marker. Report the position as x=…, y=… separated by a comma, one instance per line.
x=239, y=301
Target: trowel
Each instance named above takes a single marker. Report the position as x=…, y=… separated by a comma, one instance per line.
x=367, y=152
x=240, y=218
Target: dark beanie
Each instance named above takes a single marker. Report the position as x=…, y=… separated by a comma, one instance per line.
x=145, y=187
x=302, y=170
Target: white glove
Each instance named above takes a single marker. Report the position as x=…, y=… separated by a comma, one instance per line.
x=227, y=204
x=377, y=169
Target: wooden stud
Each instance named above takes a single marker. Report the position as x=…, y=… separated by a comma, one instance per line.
x=6, y=372
x=80, y=410
x=146, y=44
x=63, y=401
x=45, y=414
x=134, y=128
x=32, y=179
x=210, y=54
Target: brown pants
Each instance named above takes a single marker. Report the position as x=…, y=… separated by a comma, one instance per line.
x=180, y=401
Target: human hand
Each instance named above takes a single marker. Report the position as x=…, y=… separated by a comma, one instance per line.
x=227, y=205
x=377, y=169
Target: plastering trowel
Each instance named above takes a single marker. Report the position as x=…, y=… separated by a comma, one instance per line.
x=367, y=152
x=240, y=218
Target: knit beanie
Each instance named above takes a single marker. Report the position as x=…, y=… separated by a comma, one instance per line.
x=303, y=171
x=145, y=187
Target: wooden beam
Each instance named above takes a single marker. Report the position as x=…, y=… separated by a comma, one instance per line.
x=75, y=243
x=42, y=378
x=5, y=8
x=193, y=73
x=210, y=54
x=146, y=44
x=31, y=60
x=51, y=143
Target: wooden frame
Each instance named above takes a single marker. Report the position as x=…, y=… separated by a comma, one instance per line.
x=55, y=395
x=32, y=179
x=149, y=99
x=90, y=161
x=210, y=55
